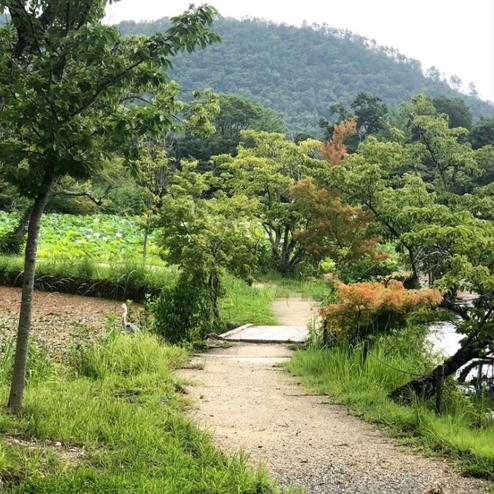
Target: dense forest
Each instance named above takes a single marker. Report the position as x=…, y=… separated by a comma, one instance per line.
x=300, y=72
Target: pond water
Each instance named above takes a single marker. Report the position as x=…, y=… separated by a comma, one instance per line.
x=446, y=340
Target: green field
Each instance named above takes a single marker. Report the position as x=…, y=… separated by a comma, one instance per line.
x=103, y=237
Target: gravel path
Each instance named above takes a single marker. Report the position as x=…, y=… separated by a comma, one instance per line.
x=248, y=402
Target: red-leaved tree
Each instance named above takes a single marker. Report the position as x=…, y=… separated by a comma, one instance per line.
x=331, y=228
x=334, y=150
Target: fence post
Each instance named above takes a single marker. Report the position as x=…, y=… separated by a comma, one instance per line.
x=365, y=351
x=325, y=334
x=478, y=384
x=439, y=388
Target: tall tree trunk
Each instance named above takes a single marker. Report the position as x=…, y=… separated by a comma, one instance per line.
x=425, y=386
x=19, y=374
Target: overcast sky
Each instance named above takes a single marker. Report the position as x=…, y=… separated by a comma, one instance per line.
x=454, y=35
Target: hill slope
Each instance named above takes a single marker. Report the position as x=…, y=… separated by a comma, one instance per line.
x=300, y=71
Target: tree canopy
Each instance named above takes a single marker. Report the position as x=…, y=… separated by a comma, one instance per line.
x=72, y=92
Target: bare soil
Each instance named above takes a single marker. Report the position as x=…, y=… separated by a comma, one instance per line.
x=59, y=320
x=248, y=402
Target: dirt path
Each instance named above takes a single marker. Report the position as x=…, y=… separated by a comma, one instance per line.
x=248, y=402
x=294, y=311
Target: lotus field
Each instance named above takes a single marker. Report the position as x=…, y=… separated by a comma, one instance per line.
x=100, y=237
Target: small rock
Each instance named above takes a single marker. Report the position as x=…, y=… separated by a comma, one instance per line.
x=435, y=489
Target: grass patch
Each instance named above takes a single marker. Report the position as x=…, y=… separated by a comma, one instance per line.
x=338, y=372
x=318, y=289
x=247, y=304
x=118, y=405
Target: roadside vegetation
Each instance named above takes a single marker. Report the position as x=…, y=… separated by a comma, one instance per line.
x=462, y=432
x=109, y=419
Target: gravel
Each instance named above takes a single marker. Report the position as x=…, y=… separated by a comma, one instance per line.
x=248, y=402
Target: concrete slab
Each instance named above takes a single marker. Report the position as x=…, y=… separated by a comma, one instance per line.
x=268, y=334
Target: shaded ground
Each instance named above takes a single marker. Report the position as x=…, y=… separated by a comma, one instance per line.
x=59, y=320
x=248, y=402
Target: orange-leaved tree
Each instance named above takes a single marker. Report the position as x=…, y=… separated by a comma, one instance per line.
x=334, y=150
x=370, y=308
x=331, y=228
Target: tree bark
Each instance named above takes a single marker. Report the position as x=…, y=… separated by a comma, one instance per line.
x=425, y=386
x=21, y=228
x=19, y=374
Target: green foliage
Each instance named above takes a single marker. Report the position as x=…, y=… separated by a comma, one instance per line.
x=265, y=167
x=206, y=237
x=459, y=115
x=368, y=268
x=482, y=133
x=236, y=113
x=9, y=244
x=100, y=236
x=57, y=129
x=186, y=311
x=339, y=373
x=311, y=68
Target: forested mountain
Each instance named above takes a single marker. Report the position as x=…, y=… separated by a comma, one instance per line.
x=300, y=72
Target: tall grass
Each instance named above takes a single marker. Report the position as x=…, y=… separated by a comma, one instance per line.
x=118, y=406
x=339, y=372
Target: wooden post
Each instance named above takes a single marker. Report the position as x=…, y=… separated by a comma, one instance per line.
x=325, y=334
x=439, y=388
x=365, y=351
x=478, y=384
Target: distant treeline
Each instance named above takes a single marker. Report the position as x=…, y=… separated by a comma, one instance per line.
x=300, y=72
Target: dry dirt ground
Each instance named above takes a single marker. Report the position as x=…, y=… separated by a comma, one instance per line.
x=59, y=320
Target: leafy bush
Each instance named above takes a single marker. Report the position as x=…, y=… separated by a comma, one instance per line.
x=367, y=268
x=185, y=312
x=9, y=244
x=368, y=308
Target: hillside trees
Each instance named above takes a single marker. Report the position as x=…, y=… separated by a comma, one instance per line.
x=302, y=91
x=72, y=92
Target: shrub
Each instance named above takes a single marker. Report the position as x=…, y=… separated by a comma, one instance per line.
x=10, y=244
x=186, y=311
x=371, y=308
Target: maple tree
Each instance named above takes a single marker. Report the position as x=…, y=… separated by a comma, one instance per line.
x=370, y=308
x=330, y=228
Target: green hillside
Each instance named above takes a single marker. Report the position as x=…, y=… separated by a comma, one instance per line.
x=300, y=72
